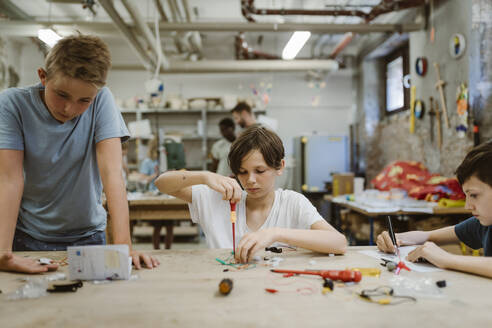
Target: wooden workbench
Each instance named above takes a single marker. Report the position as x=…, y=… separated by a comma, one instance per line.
x=158, y=211
x=182, y=292
x=371, y=215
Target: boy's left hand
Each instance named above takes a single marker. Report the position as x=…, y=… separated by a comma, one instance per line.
x=149, y=261
x=432, y=253
x=253, y=242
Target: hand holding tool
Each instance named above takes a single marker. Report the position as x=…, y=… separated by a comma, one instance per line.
x=393, y=237
x=343, y=275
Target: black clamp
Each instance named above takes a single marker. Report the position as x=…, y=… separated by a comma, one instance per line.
x=273, y=249
x=65, y=287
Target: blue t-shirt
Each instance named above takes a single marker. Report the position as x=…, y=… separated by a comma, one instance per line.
x=148, y=167
x=475, y=235
x=61, y=201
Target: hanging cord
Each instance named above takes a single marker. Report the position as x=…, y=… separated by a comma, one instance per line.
x=158, y=46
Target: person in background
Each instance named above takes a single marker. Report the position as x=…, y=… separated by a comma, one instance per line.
x=220, y=149
x=265, y=216
x=243, y=115
x=475, y=177
x=60, y=145
x=149, y=168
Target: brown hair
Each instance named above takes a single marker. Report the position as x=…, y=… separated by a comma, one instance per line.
x=83, y=57
x=258, y=138
x=477, y=163
x=241, y=107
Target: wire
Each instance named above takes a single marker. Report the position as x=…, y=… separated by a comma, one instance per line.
x=158, y=46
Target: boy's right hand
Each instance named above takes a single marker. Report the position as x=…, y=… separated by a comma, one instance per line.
x=385, y=244
x=402, y=239
x=14, y=263
x=228, y=187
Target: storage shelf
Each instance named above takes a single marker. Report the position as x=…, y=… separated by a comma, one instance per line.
x=187, y=111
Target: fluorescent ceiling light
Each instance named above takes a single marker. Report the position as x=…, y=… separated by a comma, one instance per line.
x=295, y=44
x=48, y=36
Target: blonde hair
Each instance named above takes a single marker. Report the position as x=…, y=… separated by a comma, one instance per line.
x=154, y=149
x=83, y=57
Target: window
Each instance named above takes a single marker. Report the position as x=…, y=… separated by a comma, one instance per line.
x=396, y=68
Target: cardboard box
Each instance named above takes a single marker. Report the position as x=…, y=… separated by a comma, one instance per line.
x=343, y=183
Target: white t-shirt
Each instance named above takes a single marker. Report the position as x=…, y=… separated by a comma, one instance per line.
x=220, y=151
x=290, y=210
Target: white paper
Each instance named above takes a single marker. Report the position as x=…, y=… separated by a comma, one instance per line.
x=99, y=262
x=404, y=250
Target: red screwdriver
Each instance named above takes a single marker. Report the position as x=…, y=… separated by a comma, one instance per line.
x=233, y=221
x=343, y=275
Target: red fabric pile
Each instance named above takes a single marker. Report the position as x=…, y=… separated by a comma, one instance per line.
x=418, y=182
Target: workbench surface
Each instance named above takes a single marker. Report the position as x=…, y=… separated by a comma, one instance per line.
x=183, y=292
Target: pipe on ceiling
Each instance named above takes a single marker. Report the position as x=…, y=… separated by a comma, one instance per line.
x=127, y=33
x=347, y=38
x=228, y=66
x=14, y=27
x=243, y=51
x=248, y=8
x=144, y=30
x=195, y=39
x=161, y=11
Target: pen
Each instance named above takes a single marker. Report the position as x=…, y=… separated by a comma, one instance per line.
x=393, y=237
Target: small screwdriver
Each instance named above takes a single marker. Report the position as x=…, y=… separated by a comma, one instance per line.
x=233, y=221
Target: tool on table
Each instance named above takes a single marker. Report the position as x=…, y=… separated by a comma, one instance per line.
x=233, y=221
x=68, y=286
x=401, y=264
x=225, y=286
x=273, y=249
x=328, y=286
x=384, y=295
x=343, y=275
x=390, y=265
x=432, y=113
x=439, y=85
x=438, y=122
x=413, y=93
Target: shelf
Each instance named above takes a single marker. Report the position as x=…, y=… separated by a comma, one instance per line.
x=199, y=138
x=166, y=111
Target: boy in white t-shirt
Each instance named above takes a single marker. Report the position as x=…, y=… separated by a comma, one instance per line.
x=264, y=215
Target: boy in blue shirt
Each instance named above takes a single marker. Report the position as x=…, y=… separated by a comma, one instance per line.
x=475, y=177
x=60, y=143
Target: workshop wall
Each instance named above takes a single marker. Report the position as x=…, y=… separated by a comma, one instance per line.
x=300, y=105
x=387, y=138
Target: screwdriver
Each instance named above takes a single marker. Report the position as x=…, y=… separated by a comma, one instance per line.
x=233, y=221
x=343, y=275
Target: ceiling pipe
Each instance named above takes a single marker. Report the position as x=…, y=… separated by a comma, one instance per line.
x=228, y=66
x=194, y=38
x=347, y=38
x=243, y=51
x=20, y=28
x=127, y=33
x=386, y=6
x=144, y=30
x=161, y=11
x=248, y=8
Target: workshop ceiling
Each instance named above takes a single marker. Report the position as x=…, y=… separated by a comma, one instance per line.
x=210, y=30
